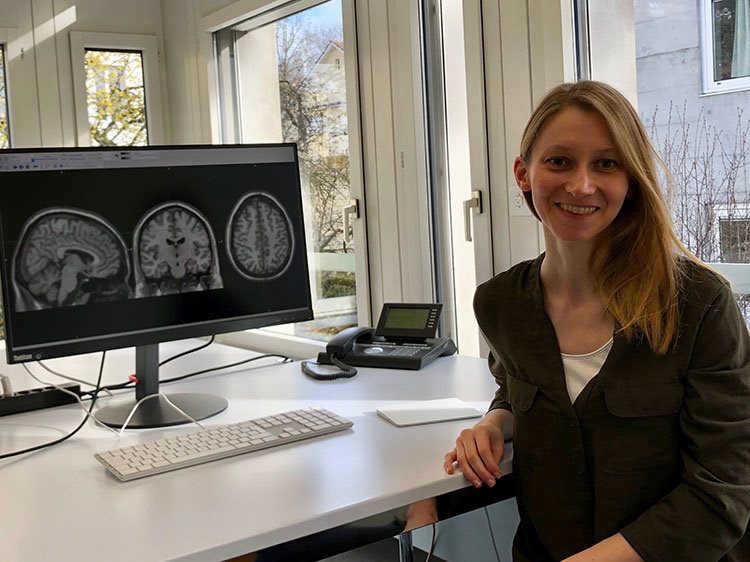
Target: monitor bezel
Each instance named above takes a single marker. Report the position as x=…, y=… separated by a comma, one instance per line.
x=154, y=335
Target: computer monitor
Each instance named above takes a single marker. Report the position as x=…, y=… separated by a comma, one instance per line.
x=105, y=248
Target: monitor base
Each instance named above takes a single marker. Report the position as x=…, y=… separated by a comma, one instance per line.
x=156, y=412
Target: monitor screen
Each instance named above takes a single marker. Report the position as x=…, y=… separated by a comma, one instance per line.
x=104, y=248
x=107, y=248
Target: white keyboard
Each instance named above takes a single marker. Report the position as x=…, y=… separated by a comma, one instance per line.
x=218, y=442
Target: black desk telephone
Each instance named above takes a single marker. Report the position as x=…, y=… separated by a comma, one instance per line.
x=404, y=339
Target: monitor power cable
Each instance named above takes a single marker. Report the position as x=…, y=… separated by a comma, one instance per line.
x=66, y=391
x=94, y=396
x=121, y=432
x=492, y=533
x=131, y=383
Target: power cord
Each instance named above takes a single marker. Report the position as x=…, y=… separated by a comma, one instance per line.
x=66, y=377
x=149, y=397
x=284, y=359
x=5, y=386
x=66, y=391
x=432, y=544
x=492, y=533
x=131, y=384
x=76, y=430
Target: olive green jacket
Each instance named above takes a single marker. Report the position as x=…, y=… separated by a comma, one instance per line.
x=655, y=447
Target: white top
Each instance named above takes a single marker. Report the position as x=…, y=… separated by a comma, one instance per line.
x=580, y=369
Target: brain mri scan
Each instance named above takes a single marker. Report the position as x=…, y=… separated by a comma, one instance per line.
x=67, y=257
x=174, y=252
x=259, y=237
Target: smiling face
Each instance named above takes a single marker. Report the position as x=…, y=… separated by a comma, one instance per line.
x=575, y=176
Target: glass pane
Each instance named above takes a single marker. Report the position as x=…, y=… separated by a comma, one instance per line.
x=290, y=86
x=734, y=236
x=731, y=29
x=116, y=98
x=4, y=139
x=4, y=130
x=703, y=139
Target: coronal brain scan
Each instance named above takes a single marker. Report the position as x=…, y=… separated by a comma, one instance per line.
x=67, y=257
x=174, y=252
x=259, y=237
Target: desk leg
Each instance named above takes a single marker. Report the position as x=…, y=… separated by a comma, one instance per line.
x=405, y=553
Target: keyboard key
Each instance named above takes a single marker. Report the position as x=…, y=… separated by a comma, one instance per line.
x=218, y=442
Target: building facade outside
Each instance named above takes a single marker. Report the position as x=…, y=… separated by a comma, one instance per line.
x=693, y=69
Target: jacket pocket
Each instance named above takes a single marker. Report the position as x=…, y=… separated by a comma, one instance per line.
x=521, y=394
x=643, y=429
x=660, y=399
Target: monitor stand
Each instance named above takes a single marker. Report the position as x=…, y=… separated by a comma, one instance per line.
x=156, y=412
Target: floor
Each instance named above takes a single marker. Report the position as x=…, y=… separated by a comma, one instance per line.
x=382, y=551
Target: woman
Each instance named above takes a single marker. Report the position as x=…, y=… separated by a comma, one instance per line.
x=623, y=364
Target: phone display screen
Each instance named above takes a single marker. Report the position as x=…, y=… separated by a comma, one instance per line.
x=407, y=318
x=415, y=321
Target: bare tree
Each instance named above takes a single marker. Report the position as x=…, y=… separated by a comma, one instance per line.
x=706, y=187
x=310, y=119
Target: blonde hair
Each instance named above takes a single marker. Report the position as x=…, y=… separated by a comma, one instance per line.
x=635, y=264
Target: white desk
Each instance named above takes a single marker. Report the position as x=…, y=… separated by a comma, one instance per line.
x=60, y=504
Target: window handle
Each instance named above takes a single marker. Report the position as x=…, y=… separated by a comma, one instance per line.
x=352, y=209
x=474, y=203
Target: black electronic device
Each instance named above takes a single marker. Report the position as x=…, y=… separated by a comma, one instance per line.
x=405, y=338
x=105, y=248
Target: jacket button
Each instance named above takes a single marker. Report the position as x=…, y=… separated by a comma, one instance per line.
x=576, y=449
x=579, y=472
x=572, y=425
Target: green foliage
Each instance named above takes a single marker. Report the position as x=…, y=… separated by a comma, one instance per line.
x=337, y=284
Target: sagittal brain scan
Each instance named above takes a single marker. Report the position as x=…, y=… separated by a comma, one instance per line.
x=66, y=257
x=259, y=237
x=174, y=251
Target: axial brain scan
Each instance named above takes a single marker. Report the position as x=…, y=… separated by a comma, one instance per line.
x=175, y=252
x=69, y=257
x=259, y=237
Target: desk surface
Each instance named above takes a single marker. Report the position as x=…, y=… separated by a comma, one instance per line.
x=60, y=504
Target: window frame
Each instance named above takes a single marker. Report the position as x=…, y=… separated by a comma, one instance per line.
x=709, y=86
x=258, y=13
x=5, y=38
x=148, y=47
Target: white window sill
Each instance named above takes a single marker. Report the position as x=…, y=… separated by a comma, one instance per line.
x=268, y=342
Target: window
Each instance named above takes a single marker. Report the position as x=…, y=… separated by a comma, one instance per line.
x=4, y=127
x=704, y=140
x=116, y=98
x=734, y=238
x=282, y=78
x=117, y=91
x=726, y=45
x=4, y=138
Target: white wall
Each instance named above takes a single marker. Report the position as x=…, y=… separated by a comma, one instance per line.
x=39, y=75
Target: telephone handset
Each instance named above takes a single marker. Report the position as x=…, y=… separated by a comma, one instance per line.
x=404, y=339
x=329, y=367
x=343, y=342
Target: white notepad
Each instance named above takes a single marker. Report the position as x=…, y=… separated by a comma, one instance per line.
x=428, y=411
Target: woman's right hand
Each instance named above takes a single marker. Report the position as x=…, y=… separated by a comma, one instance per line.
x=477, y=454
